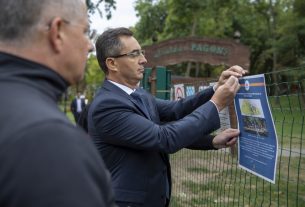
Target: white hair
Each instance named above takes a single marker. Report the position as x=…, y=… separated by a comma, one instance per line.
x=19, y=19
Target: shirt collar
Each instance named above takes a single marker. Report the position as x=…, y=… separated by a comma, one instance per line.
x=123, y=87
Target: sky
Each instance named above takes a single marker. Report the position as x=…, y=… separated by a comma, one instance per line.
x=123, y=16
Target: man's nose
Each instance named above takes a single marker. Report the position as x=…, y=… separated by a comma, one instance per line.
x=143, y=60
x=91, y=47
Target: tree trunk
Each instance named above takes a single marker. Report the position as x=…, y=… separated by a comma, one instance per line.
x=197, y=69
x=193, y=32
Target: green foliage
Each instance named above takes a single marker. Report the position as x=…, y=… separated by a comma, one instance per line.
x=182, y=16
x=94, y=76
x=152, y=19
x=273, y=29
x=94, y=5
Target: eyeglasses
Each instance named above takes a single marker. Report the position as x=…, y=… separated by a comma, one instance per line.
x=85, y=28
x=132, y=54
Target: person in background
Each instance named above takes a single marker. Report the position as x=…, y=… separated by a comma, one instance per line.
x=135, y=132
x=83, y=118
x=44, y=159
x=78, y=104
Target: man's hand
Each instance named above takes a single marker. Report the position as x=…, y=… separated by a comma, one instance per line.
x=235, y=71
x=227, y=138
x=225, y=94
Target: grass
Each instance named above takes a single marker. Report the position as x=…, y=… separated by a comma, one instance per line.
x=68, y=113
x=288, y=114
x=217, y=181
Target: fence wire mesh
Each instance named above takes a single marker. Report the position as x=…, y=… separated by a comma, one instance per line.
x=213, y=178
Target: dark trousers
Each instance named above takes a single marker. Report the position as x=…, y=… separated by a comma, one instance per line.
x=76, y=116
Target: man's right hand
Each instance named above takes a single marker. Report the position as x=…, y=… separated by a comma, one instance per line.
x=225, y=93
x=235, y=70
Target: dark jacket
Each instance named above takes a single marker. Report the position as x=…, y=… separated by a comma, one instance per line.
x=135, y=144
x=44, y=159
x=73, y=106
x=83, y=118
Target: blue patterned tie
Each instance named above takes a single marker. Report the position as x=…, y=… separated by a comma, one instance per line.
x=140, y=99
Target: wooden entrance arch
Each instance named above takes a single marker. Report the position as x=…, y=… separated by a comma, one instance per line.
x=196, y=49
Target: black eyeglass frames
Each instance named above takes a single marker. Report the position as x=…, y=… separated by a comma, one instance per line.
x=132, y=54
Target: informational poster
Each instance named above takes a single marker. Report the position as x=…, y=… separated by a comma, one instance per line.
x=257, y=143
x=179, y=91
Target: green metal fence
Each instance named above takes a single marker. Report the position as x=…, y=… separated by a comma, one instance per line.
x=213, y=178
x=161, y=80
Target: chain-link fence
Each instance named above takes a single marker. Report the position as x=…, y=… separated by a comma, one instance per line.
x=213, y=178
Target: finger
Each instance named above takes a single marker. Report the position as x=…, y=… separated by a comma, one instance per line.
x=232, y=141
x=232, y=132
x=232, y=81
x=237, y=69
x=236, y=86
x=226, y=74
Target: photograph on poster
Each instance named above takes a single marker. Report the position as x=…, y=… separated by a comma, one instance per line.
x=253, y=117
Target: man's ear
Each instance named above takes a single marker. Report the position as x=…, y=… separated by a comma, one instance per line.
x=111, y=64
x=56, y=34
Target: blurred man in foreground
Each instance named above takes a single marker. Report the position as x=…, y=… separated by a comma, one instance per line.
x=45, y=160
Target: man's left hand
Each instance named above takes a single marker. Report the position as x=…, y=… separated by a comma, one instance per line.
x=227, y=138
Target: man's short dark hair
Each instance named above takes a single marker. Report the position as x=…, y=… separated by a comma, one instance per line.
x=108, y=44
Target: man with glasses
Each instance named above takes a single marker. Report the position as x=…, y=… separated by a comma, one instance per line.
x=134, y=131
x=45, y=160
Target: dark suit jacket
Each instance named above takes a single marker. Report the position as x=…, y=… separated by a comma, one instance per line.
x=135, y=145
x=73, y=106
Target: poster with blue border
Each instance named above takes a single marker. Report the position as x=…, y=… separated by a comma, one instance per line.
x=257, y=143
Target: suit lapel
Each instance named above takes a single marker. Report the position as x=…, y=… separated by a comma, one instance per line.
x=111, y=87
x=147, y=106
x=144, y=112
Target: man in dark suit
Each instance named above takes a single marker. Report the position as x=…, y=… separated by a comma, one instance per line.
x=77, y=106
x=134, y=131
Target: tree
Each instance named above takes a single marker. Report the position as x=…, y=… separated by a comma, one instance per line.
x=152, y=19
x=94, y=77
x=94, y=5
x=273, y=29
